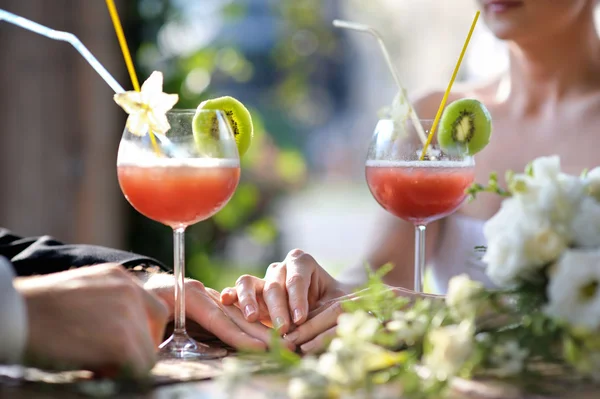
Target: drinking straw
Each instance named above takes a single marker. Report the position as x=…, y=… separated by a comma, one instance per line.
x=127, y=56
x=123, y=43
x=65, y=37
x=445, y=98
x=367, y=29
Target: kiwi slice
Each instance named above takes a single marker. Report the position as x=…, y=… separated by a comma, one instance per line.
x=465, y=127
x=239, y=118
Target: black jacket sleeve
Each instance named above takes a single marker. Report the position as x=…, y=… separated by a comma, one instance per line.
x=43, y=255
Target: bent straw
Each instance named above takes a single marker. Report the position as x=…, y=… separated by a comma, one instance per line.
x=367, y=29
x=65, y=37
x=445, y=98
x=112, y=10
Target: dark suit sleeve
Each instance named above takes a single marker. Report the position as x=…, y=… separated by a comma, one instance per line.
x=43, y=255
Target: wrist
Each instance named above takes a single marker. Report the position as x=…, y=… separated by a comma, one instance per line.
x=342, y=288
x=144, y=272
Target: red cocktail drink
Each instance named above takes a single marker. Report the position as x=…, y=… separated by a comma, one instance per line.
x=419, y=191
x=177, y=193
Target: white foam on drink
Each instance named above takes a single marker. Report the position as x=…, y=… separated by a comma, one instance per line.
x=131, y=155
x=419, y=164
x=181, y=162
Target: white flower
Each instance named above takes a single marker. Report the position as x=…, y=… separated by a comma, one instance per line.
x=310, y=384
x=534, y=226
x=409, y=327
x=593, y=183
x=462, y=296
x=348, y=362
x=342, y=367
x=450, y=347
x=147, y=108
x=399, y=112
x=358, y=325
x=520, y=243
x=546, y=168
x=585, y=225
x=508, y=357
x=574, y=289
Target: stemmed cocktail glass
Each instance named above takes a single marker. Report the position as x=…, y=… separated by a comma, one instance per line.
x=417, y=191
x=180, y=179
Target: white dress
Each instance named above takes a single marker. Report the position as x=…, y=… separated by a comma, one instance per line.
x=455, y=253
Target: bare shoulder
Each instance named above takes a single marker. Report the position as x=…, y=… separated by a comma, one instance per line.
x=427, y=103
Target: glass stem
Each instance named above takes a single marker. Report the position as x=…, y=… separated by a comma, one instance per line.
x=179, y=272
x=419, y=256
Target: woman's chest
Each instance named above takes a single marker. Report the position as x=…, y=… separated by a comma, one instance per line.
x=517, y=142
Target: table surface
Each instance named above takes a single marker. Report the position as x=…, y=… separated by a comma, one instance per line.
x=60, y=385
x=182, y=380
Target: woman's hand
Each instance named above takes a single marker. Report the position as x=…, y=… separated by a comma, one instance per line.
x=291, y=292
x=320, y=328
x=204, y=307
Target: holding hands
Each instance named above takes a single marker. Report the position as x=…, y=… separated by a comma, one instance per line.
x=297, y=296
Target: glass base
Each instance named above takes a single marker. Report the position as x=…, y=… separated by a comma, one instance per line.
x=181, y=346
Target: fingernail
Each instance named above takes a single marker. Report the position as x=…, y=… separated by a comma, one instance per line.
x=248, y=310
x=307, y=347
x=278, y=323
x=297, y=315
x=291, y=337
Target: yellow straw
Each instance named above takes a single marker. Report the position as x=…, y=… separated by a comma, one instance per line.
x=125, y=49
x=445, y=98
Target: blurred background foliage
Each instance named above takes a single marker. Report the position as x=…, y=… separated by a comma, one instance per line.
x=314, y=92
x=282, y=60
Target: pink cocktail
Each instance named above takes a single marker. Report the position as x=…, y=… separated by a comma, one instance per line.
x=178, y=180
x=419, y=191
x=415, y=190
x=187, y=194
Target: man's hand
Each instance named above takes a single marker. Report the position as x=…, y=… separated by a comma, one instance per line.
x=97, y=318
x=204, y=307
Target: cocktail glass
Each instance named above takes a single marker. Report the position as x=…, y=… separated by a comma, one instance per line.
x=417, y=191
x=180, y=180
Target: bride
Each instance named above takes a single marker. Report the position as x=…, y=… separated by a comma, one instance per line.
x=548, y=102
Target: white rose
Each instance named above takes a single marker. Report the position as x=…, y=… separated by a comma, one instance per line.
x=585, y=225
x=543, y=243
x=593, y=183
x=574, y=289
x=462, y=296
x=450, y=347
x=549, y=192
x=559, y=199
x=546, y=168
x=519, y=243
x=504, y=236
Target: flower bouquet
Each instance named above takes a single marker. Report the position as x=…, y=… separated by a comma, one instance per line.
x=541, y=320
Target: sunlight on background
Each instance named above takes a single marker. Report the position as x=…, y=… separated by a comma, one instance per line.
x=314, y=92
